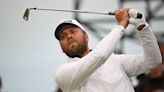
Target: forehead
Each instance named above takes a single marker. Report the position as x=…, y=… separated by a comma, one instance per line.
x=68, y=26
x=63, y=29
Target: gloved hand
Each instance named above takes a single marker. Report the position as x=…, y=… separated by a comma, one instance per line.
x=140, y=21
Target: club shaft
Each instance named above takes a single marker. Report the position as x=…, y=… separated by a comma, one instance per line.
x=76, y=11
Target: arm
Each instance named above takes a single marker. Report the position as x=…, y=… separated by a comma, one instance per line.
x=137, y=64
x=152, y=55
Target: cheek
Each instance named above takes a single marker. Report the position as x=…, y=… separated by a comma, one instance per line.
x=63, y=45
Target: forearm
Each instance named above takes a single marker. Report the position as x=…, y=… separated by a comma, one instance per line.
x=106, y=47
x=152, y=53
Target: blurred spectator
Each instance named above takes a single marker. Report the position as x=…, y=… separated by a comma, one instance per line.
x=58, y=90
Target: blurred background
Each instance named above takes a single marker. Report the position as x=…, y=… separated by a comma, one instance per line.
x=29, y=53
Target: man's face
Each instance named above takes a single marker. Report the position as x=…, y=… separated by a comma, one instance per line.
x=73, y=41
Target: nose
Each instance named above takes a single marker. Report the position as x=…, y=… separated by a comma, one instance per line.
x=69, y=36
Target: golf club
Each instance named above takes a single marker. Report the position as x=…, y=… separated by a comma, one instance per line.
x=26, y=14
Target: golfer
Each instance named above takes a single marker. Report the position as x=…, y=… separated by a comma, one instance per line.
x=99, y=69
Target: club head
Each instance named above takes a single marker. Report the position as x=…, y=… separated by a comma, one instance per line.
x=26, y=14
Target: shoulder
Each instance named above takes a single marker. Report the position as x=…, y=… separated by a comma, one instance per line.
x=62, y=72
x=62, y=69
x=62, y=76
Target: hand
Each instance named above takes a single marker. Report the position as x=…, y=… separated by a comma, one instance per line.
x=139, y=23
x=122, y=17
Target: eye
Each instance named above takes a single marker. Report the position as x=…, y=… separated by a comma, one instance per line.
x=63, y=36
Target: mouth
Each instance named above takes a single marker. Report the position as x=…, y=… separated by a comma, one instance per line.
x=71, y=41
x=73, y=45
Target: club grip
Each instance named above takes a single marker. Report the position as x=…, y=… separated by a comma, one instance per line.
x=139, y=15
x=111, y=13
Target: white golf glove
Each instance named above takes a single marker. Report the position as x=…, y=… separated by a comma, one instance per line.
x=140, y=21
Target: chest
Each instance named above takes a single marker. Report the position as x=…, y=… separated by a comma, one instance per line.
x=110, y=73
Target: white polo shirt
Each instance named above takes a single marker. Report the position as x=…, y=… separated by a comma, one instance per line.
x=102, y=71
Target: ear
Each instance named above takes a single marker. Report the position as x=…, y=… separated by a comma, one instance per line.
x=86, y=36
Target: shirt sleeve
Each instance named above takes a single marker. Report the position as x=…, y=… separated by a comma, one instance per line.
x=70, y=75
x=143, y=63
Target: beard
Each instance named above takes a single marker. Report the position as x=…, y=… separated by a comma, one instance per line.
x=77, y=51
